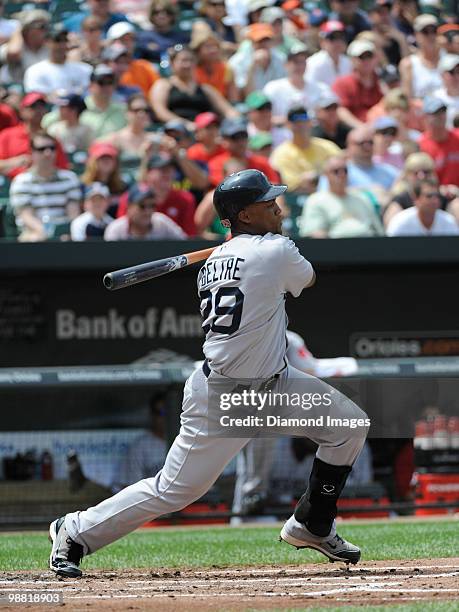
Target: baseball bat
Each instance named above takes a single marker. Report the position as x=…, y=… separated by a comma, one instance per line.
x=146, y=271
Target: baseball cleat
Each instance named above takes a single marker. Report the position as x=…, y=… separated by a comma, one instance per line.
x=66, y=554
x=333, y=546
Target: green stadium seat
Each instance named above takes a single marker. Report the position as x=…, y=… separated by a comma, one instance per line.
x=77, y=161
x=296, y=204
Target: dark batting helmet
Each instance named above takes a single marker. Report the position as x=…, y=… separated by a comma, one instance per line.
x=241, y=189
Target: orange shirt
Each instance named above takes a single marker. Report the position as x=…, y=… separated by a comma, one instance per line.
x=140, y=73
x=220, y=77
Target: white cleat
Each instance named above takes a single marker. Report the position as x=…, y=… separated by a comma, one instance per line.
x=333, y=546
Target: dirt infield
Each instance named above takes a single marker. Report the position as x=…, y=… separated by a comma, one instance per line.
x=309, y=585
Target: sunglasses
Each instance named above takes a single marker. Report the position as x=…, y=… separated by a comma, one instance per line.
x=362, y=143
x=336, y=36
x=140, y=109
x=332, y=107
x=366, y=56
x=239, y=136
x=146, y=205
x=430, y=195
x=44, y=148
x=388, y=132
x=40, y=104
x=340, y=170
x=163, y=10
x=105, y=82
x=265, y=107
x=423, y=171
x=429, y=31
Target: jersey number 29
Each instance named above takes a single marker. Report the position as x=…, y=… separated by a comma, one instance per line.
x=212, y=308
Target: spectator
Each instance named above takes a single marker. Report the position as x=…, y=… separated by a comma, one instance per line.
x=116, y=57
x=275, y=17
x=387, y=149
x=424, y=218
x=133, y=140
x=207, y=134
x=90, y=47
x=92, y=223
x=296, y=159
x=339, y=212
x=261, y=144
x=102, y=166
x=7, y=26
x=103, y=114
x=418, y=166
x=142, y=221
x=129, y=71
x=210, y=68
x=26, y=47
x=362, y=170
x=406, y=112
x=74, y=135
x=235, y=140
x=327, y=123
x=448, y=38
x=96, y=8
x=180, y=97
x=404, y=12
x=261, y=119
x=393, y=42
x=440, y=143
x=155, y=43
x=348, y=12
x=419, y=71
x=294, y=89
x=449, y=93
x=177, y=204
x=15, y=142
x=50, y=75
x=360, y=90
x=214, y=13
x=330, y=62
x=258, y=64
x=44, y=196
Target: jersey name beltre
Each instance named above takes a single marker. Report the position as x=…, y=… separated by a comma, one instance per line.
x=225, y=268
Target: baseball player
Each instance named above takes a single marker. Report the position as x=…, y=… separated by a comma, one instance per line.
x=242, y=287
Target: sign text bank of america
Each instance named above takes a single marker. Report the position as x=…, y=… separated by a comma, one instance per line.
x=153, y=323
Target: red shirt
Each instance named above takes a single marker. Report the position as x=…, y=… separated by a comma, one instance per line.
x=179, y=206
x=8, y=117
x=255, y=162
x=198, y=152
x=355, y=97
x=16, y=141
x=445, y=155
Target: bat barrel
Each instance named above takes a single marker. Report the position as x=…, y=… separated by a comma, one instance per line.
x=142, y=272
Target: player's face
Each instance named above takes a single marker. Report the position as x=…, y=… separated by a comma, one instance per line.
x=262, y=217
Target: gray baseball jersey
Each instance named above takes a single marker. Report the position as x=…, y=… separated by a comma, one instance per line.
x=242, y=287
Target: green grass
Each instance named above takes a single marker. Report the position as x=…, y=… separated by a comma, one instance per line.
x=220, y=547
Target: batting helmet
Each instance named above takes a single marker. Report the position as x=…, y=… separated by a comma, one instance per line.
x=241, y=189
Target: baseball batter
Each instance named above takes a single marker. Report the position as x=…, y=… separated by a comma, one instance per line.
x=242, y=288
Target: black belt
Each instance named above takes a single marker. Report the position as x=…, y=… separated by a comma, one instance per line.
x=206, y=369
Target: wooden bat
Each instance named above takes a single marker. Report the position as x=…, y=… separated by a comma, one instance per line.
x=146, y=271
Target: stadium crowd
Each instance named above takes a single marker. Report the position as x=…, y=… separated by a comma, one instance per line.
x=118, y=119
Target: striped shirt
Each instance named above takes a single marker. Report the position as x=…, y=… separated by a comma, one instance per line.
x=47, y=196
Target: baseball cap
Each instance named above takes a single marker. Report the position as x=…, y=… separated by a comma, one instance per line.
x=260, y=140
x=330, y=27
x=359, y=47
x=27, y=18
x=432, y=105
x=159, y=161
x=256, y=100
x=174, y=125
x=99, y=149
x=422, y=21
x=120, y=29
x=73, y=100
x=297, y=48
x=30, y=98
x=259, y=31
x=101, y=71
x=327, y=99
x=230, y=127
x=203, y=120
x=271, y=14
x=317, y=17
x=58, y=32
x=137, y=193
x=448, y=27
x=114, y=52
x=256, y=5
x=384, y=122
x=298, y=113
x=419, y=161
x=291, y=5
x=448, y=62
x=97, y=189
x=379, y=4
